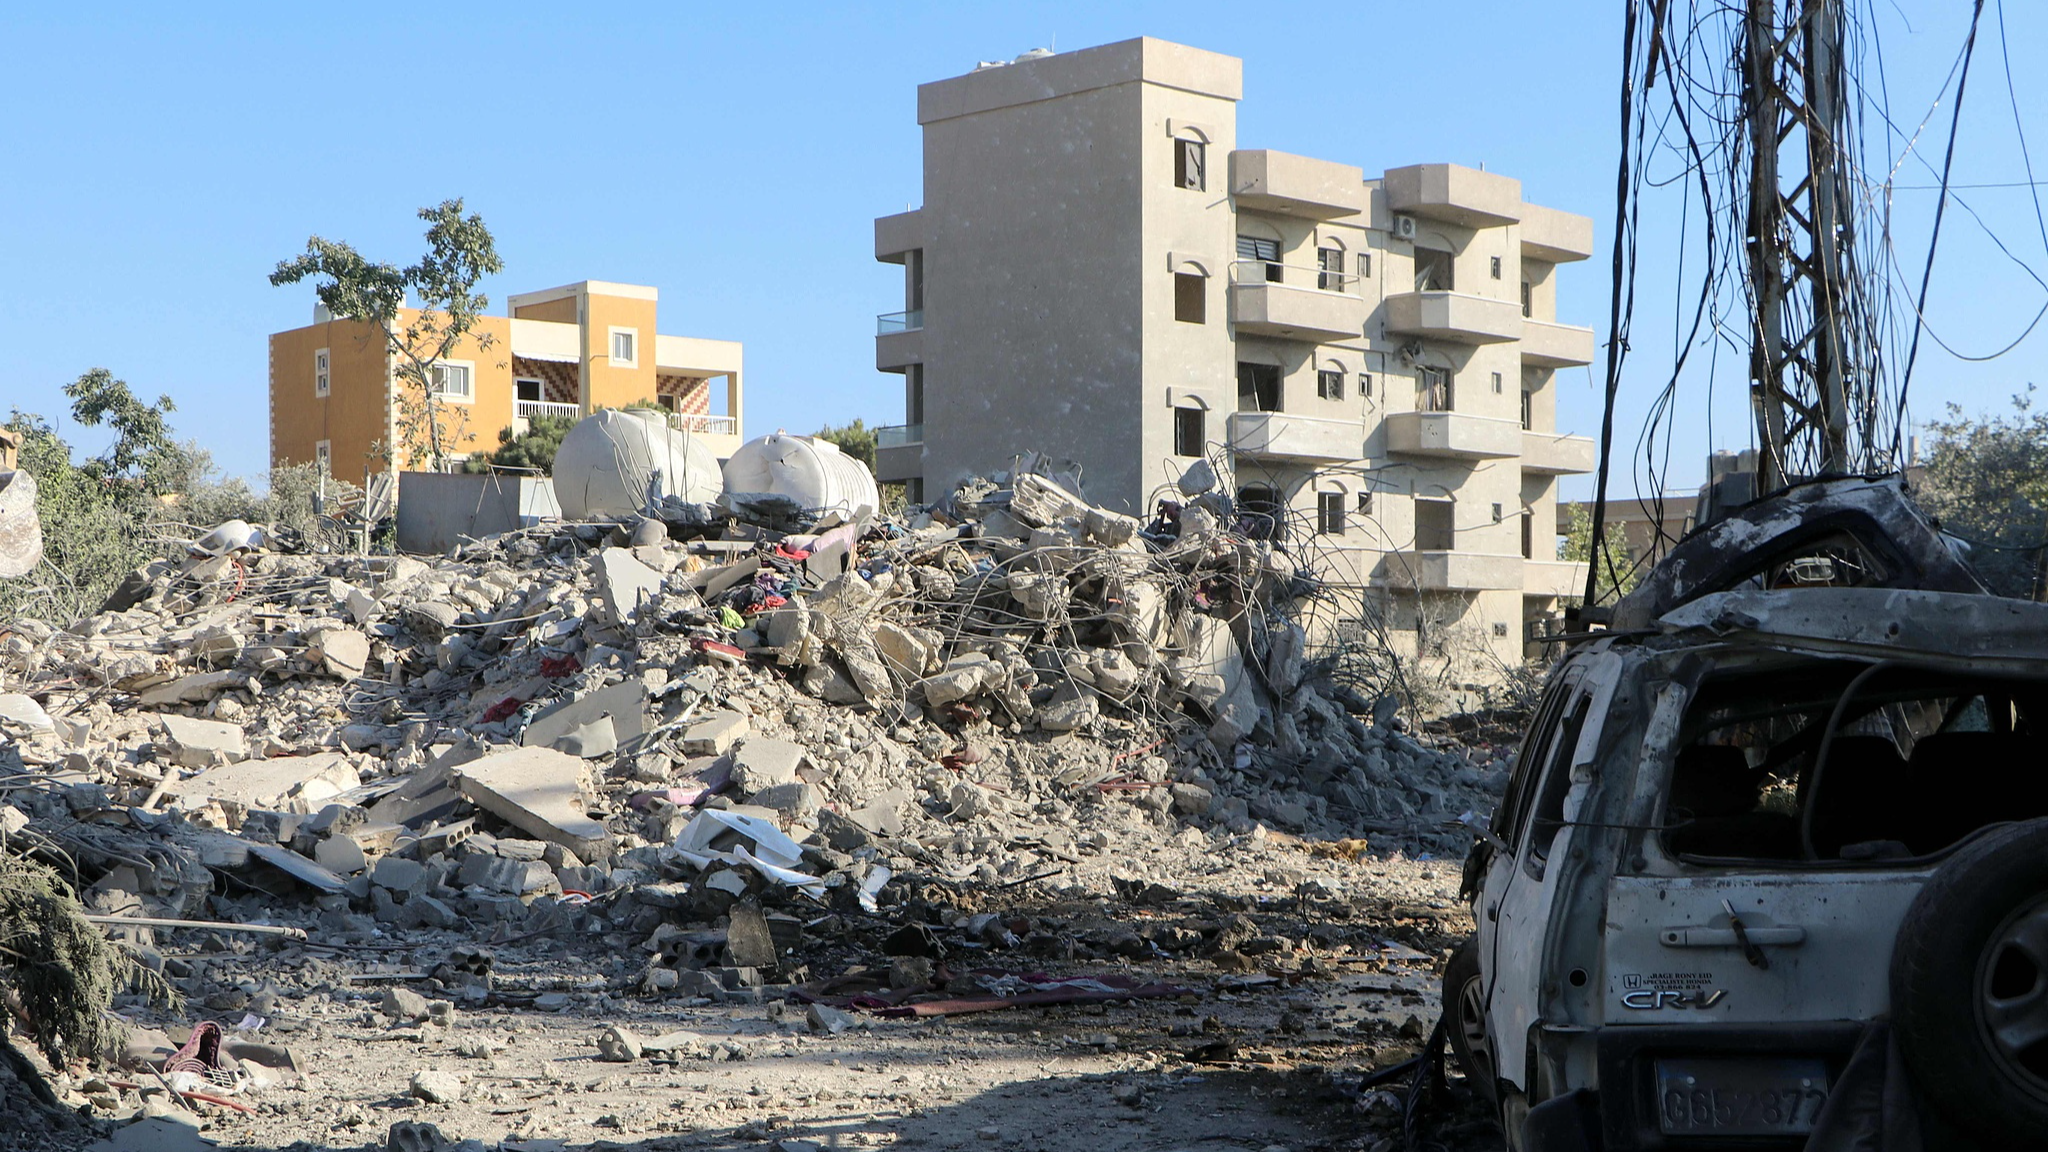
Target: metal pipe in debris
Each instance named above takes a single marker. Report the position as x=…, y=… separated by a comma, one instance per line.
x=217, y=925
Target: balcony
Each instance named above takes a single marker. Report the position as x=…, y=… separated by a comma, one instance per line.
x=1547, y=578
x=1454, y=194
x=1547, y=345
x=899, y=452
x=899, y=235
x=899, y=340
x=1549, y=454
x=1285, y=436
x=1555, y=237
x=704, y=424
x=1454, y=317
x=1291, y=185
x=1453, y=435
x=1263, y=307
x=528, y=409
x=1451, y=571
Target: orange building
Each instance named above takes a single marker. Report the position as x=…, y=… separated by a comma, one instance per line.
x=564, y=351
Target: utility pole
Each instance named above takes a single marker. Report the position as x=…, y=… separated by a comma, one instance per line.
x=1812, y=364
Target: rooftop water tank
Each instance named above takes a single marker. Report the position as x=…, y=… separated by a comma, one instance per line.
x=608, y=460
x=810, y=471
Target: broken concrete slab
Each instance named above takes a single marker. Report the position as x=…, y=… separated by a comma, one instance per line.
x=621, y=704
x=203, y=743
x=300, y=784
x=623, y=584
x=22, y=711
x=198, y=688
x=763, y=762
x=715, y=734
x=342, y=652
x=541, y=792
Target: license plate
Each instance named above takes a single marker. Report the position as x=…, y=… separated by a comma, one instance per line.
x=1734, y=1097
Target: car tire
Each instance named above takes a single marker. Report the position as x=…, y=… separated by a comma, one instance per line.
x=1465, y=1018
x=1969, y=987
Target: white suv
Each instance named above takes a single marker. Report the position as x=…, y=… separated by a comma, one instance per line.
x=1773, y=863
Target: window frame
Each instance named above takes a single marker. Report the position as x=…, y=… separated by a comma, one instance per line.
x=1329, y=268
x=1426, y=380
x=1331, y=515
x=323, y=372
x=1250, y=249
x=1330, y=383
x=323, y=455
x=632, y=336
x=1365, y=265
x=1182, y=281
x=1183, y=416
x=1494, y=267
x=467, y=396
x=1190, y=177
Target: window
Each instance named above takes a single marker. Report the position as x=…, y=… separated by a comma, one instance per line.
x=913, y=490
x=1494, y=265
x=623, y=348
x=1433, y=390
x=1528, y=410
x=913, y=280
x=1435, y=530
x=1331, y=263
x=1496, y=384
x=526, y=388
x=1365, y=384
x=1528, y=535
x=1330, y=385
x=1260, y=249
x=1189, y=436
x=1260, y=513
x=323, y=456
x=1497, y=513
x=321, y=380
x=1365, y=503
x=913, y=394
x=452, y=380
x=1258, y=387
x=1190, y=298
x=1330, y=513
x=1189, y=164
x=1364, y=265
x=1434, y=271
x=1525, y=299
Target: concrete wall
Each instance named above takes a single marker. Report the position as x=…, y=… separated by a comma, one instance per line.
x=436, y=510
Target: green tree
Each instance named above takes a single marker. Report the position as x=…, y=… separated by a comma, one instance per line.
x=534, y=448
x=1986, y=480
x=460, y=252
x=1618, y=572
x=143, y=455
x=856, y=440
x=92, y=533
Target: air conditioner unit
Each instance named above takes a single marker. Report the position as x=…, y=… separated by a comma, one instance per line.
x=1404, y=228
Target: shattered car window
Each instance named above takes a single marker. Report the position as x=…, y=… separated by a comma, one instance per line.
x=1919, y=760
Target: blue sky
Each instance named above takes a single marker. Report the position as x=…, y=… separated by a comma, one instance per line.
x=160, y=160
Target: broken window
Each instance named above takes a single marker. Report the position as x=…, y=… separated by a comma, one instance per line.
x=1190, y=161
x=1190, y=300
x=1528, y=410
x=1433, y=390
x=1260, y=514
x=1330, y=384
x=1435, y=530
x=1365, y=384
x=1330, y=261
x=1330, y=513
x=1365, y=503
x=1495, y=267
x=1189, y=436
x=1496, y=384
x=1916, y=761
x=1258, y=387
x=1261, y=250
x=1525, y=299
x=1433, y=271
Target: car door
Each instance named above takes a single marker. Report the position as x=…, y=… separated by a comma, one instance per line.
x=1515, y=900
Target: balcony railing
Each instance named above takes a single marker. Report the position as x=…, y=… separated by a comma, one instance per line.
x=528, y=409
x=899, y=435
x=1246, y=271
x=890, y=323
x=705, y=423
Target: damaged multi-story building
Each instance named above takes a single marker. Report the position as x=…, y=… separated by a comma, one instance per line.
x=1098, y=272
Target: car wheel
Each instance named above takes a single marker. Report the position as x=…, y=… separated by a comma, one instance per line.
x=1970, y=987
x=1465, y=1017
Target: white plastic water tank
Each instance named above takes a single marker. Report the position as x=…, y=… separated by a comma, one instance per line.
x=607, y=460
x=810, y=471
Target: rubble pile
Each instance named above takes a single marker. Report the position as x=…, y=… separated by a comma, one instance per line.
x=597, y=728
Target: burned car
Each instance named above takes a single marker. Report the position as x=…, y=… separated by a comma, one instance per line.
x=1772, y=868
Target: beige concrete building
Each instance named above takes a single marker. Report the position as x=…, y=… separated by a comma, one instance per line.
x=1099, y=272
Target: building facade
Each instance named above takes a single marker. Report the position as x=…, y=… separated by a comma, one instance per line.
x=335, y=393
x=1100, y=273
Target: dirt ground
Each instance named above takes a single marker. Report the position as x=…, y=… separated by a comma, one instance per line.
x=1263, y=1045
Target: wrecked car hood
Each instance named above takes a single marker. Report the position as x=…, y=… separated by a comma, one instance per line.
x=1879, y=622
